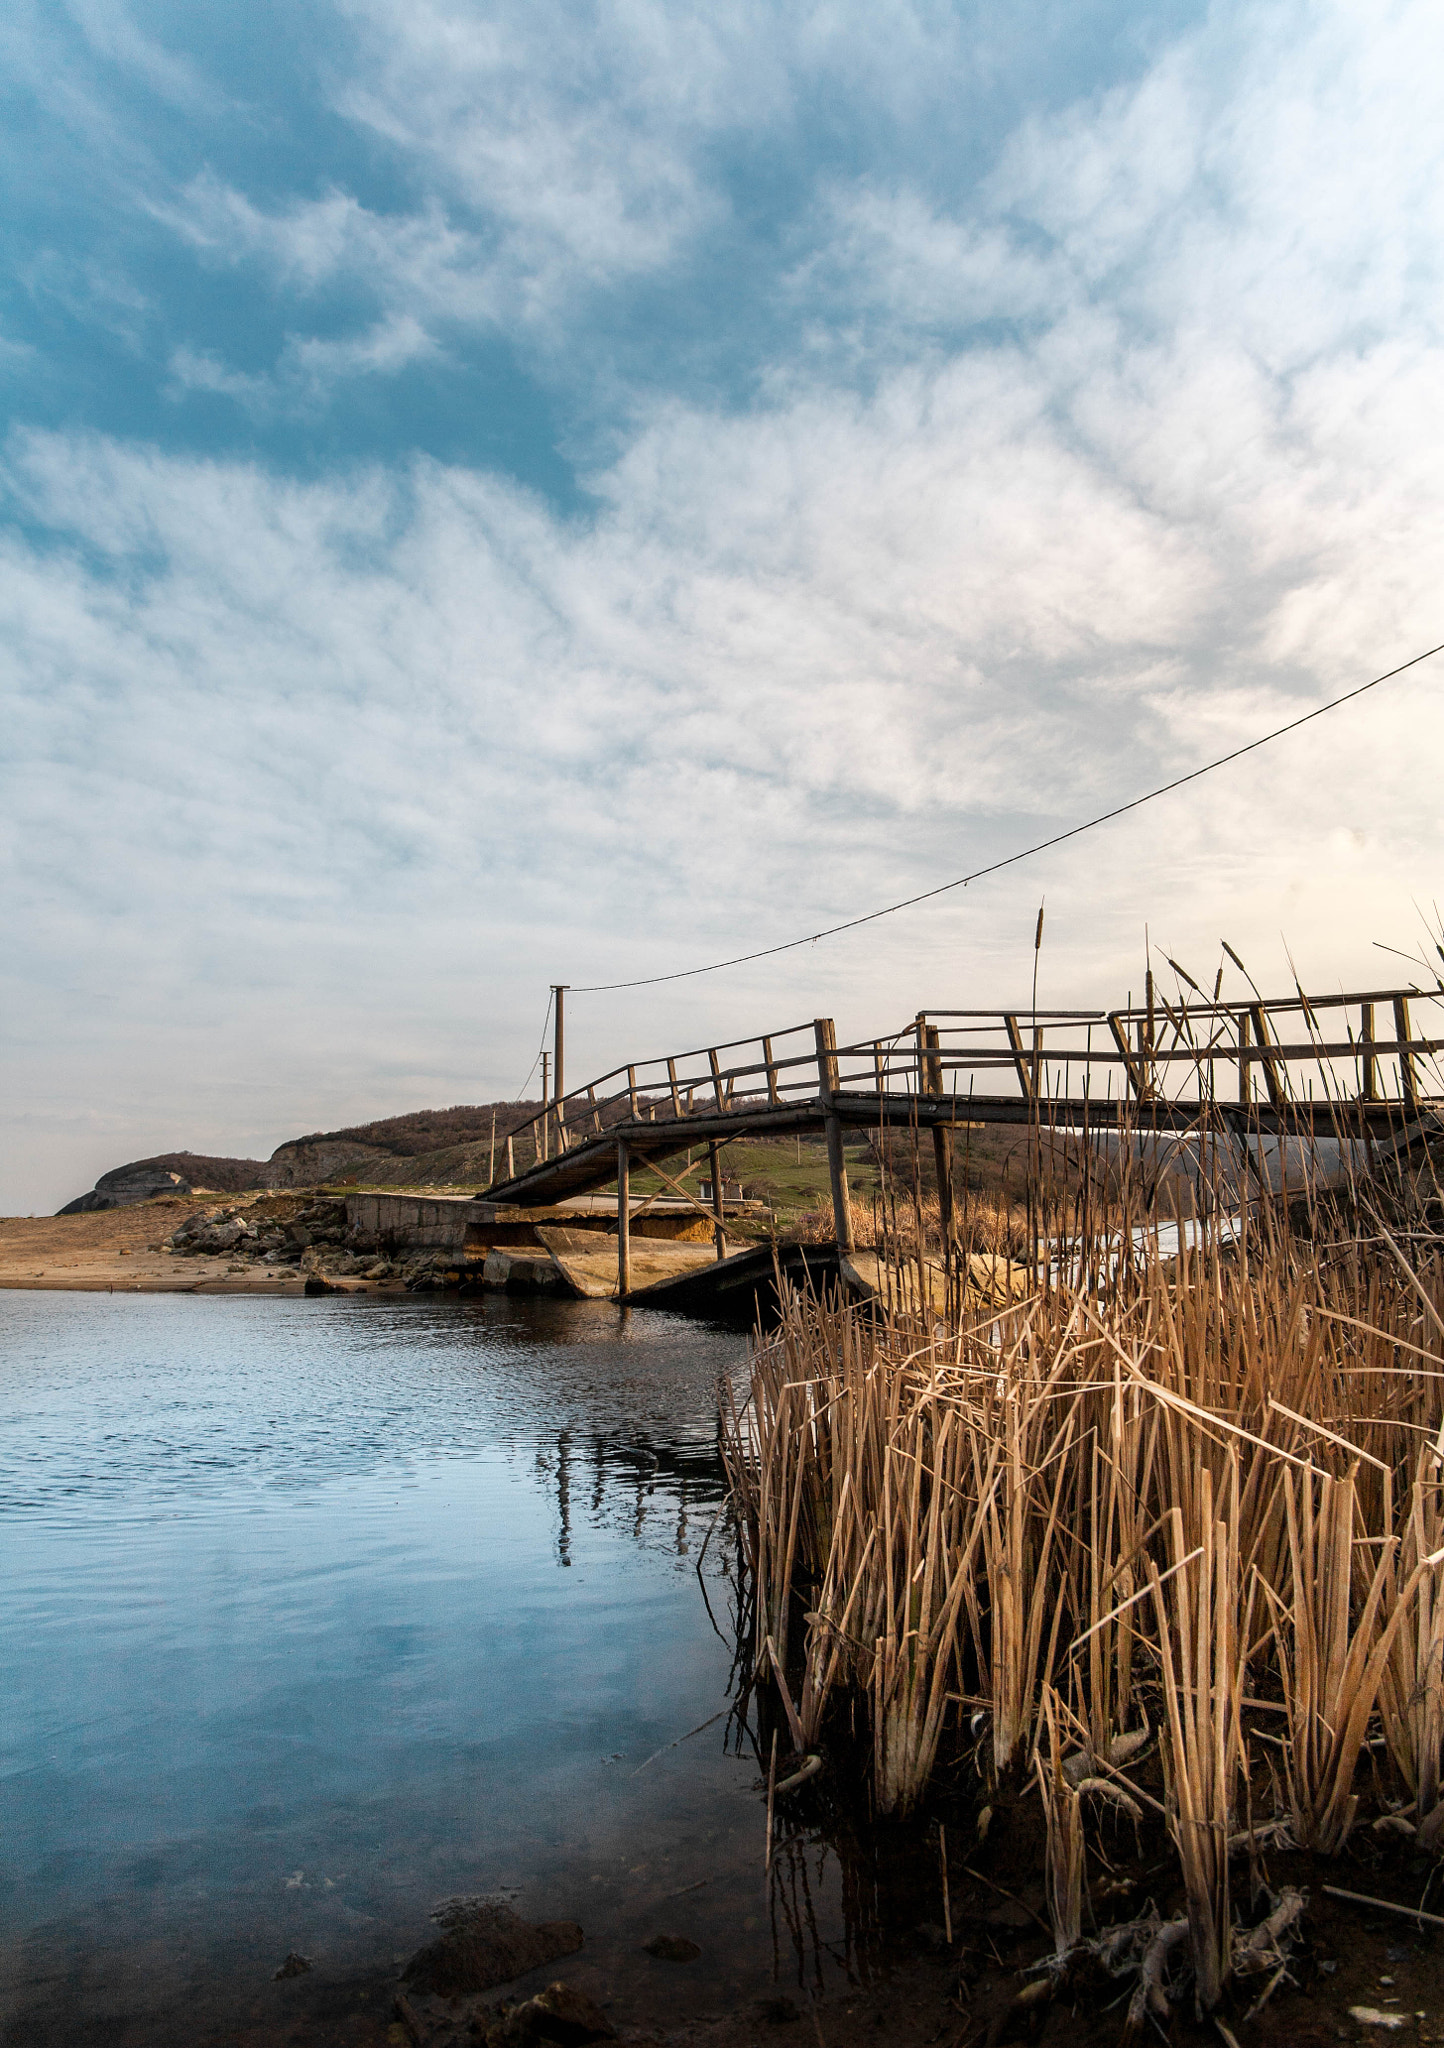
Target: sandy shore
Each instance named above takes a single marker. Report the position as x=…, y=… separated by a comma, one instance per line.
x=117, y=1251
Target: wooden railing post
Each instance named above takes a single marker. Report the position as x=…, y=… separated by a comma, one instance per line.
x=1245, y=1074
x=717, y=1089
x=719, y=1234
x=624, y=1218
x=1408, y=1077
x=942, y=1141
x=826, y=1034
x=1369, y=1062
x=1272, y=1079
x=1022, y=1062
x=773, y=1097
x=672, y=1084
x=1130, y=1065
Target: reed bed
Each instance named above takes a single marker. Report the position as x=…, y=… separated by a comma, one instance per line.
x=1174, y=1521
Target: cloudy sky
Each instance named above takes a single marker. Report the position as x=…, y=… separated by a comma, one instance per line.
x=527, y=492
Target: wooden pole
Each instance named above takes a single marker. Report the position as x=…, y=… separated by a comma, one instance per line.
x=510, y=1157
x=719, y=1235
x=624, y=1219
x=1369, y=1091
x=559, y=1042
x=1408, y=1077
x=546, y=1098
x=825, y=1032
x=942, y=1142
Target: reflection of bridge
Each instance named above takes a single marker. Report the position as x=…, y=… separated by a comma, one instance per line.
x=1346, y=1066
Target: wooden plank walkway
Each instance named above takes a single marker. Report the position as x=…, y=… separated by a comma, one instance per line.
x=1347, y=1066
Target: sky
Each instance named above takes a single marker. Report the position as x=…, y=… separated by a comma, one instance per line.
x=539, y=492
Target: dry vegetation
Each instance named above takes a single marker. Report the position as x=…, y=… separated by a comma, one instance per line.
x=1163, y=1542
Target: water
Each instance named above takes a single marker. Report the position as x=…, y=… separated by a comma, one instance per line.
x=315, y=1612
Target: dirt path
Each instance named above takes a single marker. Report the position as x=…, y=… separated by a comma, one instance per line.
x=118, y=1251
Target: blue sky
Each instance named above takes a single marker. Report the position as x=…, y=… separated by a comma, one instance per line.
x=549, y=492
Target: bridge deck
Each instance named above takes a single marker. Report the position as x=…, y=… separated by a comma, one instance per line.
x=592, y=1163
x=1257, y=1066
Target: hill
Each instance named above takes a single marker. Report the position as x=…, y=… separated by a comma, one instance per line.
x=424, y=1147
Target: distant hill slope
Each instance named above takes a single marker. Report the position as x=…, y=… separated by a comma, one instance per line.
x=425, y=1147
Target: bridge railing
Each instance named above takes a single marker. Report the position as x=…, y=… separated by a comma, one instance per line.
x=1350, y=1049
x=771, y=1069
x=1346, y=1048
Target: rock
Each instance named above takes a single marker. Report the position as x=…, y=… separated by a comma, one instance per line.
x=561, y=2013
x=528, y=1272
x=316, y=1285
x=169, y=1173
x=672, y=1948
x=483, y=1942
x=295, y=1965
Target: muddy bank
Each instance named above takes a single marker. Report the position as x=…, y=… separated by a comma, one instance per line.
x=1354, y=1975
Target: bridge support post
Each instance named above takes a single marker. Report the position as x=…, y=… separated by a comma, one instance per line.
x=827, y=1081
x=719, y=1234
x=932, y=1067
x=624, y=1218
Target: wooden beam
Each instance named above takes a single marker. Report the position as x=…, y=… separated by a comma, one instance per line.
x=676, y=1187
x=1125, y=1051
x=1277, y=1090
x=624, y=1218
x=1245, y=1071
x=1408, y=1076
x=772, y=1095
x=719, y=1234
x=1369, y=1063
x=1020, y=1057
x=825, y=1033
x=717, y=1088
x=672, y=1084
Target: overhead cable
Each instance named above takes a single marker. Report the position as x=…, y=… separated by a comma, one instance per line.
x=1026, y=853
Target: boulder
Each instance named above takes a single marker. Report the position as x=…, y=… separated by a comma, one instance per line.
x=672, y=1948
x=560, y=2014
x=521, y=1272
x=482, y=1943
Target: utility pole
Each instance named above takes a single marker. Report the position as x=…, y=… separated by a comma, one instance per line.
x=559, y=1086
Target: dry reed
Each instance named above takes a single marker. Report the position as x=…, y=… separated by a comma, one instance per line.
x=1202, y=1492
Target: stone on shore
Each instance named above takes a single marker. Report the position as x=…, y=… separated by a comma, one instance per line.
x=482, y=1943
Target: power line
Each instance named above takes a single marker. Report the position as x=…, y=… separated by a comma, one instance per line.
x=540, y=1049
x=1026, y=853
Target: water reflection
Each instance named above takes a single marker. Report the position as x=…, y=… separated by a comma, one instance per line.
x=316, y=1612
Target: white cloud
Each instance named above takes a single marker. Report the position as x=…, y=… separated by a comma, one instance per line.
x=320, y=784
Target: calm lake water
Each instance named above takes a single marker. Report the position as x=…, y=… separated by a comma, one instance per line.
x=315, y=1612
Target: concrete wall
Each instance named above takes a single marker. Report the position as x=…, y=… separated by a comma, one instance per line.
x=411, y=1223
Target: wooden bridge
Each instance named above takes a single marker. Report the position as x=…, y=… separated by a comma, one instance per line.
x=1351, y=1067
